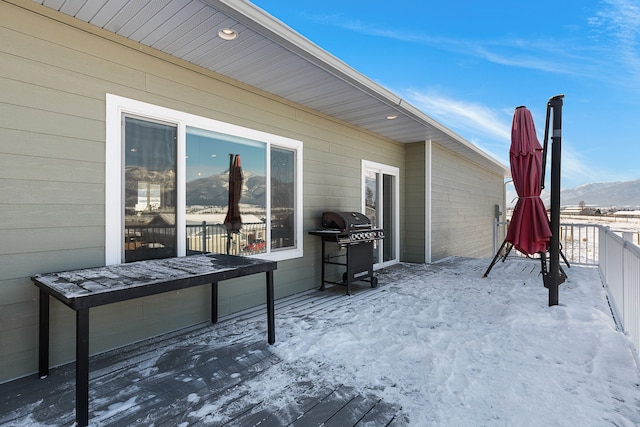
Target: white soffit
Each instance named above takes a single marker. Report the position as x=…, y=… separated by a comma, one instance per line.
x=270, y=56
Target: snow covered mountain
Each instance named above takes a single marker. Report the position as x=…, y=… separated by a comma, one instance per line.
x=623, y=195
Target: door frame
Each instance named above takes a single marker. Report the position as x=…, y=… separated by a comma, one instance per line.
x=380, y=168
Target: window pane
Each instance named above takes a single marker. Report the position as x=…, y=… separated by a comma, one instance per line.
x=371, y=205
x=150, y=190
x=207, y=193
x=282, y=198
x=371, y=196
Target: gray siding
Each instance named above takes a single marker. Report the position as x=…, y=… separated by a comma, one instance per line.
x=464, y=196
x=54, y=78
x=54, y=74
x=415, y=203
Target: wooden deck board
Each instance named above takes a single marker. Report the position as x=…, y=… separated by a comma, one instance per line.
x=353, y=411
x=326, y=408
x=382, y=414
x=185, y=372
x=197, y=376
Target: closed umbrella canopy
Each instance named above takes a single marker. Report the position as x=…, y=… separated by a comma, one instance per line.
x=233, y=221
x=529, y=230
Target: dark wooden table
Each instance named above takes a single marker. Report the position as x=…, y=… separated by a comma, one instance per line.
x=82, y=289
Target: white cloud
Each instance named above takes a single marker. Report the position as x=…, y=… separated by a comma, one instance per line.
x=575, y=170
x=475, y=118
x=539, y=54
x=617, y=26
x=490, y=130
x=367, y=29
x=619, y=19
x=541, y=60
x=487, y=128
x=611, y=57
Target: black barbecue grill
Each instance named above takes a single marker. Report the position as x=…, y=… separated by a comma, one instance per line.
x=354, y=235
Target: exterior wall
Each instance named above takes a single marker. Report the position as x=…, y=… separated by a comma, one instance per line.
x=464, y=196
x=414, y=210
x=54, y=77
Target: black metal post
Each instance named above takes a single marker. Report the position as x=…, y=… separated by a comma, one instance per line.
x=495, y=258
x=554, y=277
x=43, y=358
x=544, y=150
x=271, y=317
x=214, y=302
x=322, y=287
x=82, y=367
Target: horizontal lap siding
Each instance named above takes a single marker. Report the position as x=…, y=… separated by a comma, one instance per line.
x=464, y=196
x=54, y=78
x=415, y=203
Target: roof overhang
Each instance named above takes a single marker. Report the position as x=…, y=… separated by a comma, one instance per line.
x=272, y=57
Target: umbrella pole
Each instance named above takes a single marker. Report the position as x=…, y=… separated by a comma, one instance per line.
x=544, y=149
x=553, y=278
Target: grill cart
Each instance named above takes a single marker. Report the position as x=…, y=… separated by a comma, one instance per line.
x=354, y=235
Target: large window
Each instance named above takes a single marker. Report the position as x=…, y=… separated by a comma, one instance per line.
x=170, y=190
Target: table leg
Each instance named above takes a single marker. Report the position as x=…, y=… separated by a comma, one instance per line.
x=271, y=320
x=82, y=367
x=214, y=302
x=322, y=260
x=43, y=349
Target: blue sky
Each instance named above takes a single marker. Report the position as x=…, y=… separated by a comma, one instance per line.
x=468, y=64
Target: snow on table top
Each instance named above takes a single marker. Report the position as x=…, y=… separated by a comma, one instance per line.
x=92, y=281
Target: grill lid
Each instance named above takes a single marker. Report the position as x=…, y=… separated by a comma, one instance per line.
x=345, y=221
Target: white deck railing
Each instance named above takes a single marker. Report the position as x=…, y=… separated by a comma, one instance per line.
x=617, y=254
x=619, y=261
x=579, y=242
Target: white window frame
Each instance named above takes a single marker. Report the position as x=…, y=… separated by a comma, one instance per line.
x=116, y=106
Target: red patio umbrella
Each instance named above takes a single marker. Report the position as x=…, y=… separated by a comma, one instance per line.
x=233, y=221
x=529, y=230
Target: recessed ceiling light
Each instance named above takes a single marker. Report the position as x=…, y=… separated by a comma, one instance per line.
x=392, y=117
x=227, y=34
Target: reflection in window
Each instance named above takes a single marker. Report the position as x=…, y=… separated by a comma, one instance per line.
x=169, y=178
x=150, y=190
x=371, y=196
x=282, y=198
x=371, y=206
x=207, y=193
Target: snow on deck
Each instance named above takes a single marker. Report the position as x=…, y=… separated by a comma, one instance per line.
x=433, y=345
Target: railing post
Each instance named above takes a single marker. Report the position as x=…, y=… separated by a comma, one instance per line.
x=602, y=250
x=495, y=234
x=204, y=236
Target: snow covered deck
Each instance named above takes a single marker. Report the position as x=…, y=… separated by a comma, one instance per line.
x=432, y=345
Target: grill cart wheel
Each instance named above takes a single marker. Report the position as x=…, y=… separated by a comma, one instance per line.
x=374, y=280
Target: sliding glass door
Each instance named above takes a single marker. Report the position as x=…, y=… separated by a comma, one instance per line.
x=381, y=206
